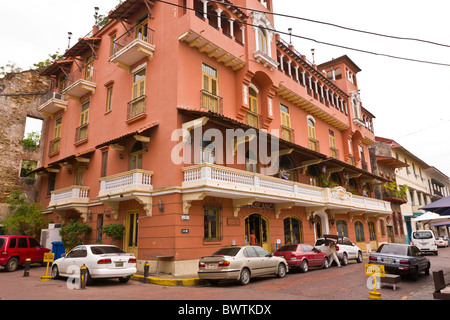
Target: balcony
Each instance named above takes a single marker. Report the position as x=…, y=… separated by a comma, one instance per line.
x=54, y=147
x=287, y=133
x=136, y=109
x=72, y=197
x=81, y=134
x=80, y=83
x=246, y=187
x=211, y=102
x=253, y=119
x=314, y=144
x=135, y=184
x=52, y=103
x=133, y=46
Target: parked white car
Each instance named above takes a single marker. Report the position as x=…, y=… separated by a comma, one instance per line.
x=101, y=261
x=425, y=241
x=440, y=242
x=345, y=249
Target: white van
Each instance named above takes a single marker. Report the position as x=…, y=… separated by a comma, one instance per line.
x=425, y=241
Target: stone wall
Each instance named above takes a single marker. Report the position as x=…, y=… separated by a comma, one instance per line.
x=20, y=96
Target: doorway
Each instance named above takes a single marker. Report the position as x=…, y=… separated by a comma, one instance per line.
x=131, y=232
x=257, y=231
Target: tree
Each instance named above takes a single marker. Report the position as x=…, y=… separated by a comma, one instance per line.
x=32, y=140
x=114, y=231
x=74, y=233
x=25, y=218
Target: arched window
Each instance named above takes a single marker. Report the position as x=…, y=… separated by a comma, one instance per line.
x=341, y=227
x=136, y=156
x=314, y=175
x=287, y=168
x=262, y=40
x=359, y=231
x=293, y=230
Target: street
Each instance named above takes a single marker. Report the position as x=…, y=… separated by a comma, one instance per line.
x=345, y=283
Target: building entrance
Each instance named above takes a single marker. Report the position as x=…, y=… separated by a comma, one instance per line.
x=257, y=231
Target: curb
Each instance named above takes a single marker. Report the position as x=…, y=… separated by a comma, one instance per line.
x=167, y=282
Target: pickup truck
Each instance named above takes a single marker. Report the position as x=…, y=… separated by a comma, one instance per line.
x=345, y=249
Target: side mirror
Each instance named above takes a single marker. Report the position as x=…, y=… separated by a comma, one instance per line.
x=63, y=255
x=269, y=255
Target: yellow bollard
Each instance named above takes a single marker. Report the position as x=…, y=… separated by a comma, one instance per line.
x=26, y=272
x=374, y=295
x=83, y=277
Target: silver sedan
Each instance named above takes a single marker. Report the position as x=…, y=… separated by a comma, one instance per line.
x=241, y=263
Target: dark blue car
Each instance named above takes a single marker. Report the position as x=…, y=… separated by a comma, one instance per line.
x=403, y=259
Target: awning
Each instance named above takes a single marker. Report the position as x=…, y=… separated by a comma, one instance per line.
x=441, y=206
x=428, y=217
x=439, y=224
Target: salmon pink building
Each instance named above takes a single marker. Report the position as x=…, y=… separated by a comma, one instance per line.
x=196, y=126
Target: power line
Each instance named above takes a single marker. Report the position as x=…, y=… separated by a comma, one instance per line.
x=338, y=26
x=315, y=40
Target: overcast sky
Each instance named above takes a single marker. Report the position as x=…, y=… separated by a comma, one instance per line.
x=410, y=100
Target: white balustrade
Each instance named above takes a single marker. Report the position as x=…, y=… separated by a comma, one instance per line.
x=133, y=177
x=74, y=192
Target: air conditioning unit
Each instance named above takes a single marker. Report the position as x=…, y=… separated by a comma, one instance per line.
x=50, y=235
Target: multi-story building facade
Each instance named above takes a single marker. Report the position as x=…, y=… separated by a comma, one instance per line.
x=197, y=127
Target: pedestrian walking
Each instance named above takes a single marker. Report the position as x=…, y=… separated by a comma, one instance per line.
x=333, y=255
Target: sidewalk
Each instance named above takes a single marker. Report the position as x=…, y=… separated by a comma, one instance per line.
x=164, y=279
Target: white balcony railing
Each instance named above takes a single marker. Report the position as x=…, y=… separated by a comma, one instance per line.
x=214, y=176
x=137, y=180
x=73, y=194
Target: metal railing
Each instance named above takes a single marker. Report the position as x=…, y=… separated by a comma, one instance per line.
x=138, y=31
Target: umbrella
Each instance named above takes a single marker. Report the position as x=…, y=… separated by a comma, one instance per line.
x=428, y=217
x=442, y=206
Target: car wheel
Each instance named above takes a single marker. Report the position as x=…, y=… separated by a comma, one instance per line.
x=304, y=266
x=414, y=274
x=427, y=270
x=55, y=272
x=124, y=279
x=244, y=279
x=344, y=261
x=360, y=257
x=12, y=264
x=326, y=264
x=281, y=270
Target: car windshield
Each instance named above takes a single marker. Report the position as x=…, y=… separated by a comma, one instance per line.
x=289, y=247
x=393, y=249
x=106, y=249
x=422, y=235
x=227, y=252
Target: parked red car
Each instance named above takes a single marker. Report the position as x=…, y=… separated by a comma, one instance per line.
x=302, y=256
x=14, y=250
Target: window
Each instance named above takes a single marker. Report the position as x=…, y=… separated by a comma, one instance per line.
x=372, y=233
x=137, y=105
x=34, y=243
x=313, y=143
x=333, y=149
x=210, y=99
x=26, y=167
x=287, y=168
x=286, y=132
x=113, y=46
x=251, y=161
x=207, y=152
x=23, y=243
x=314, y=176
x=82, y=130
x=136, y=156
x=89, y=68
x=79, y=174
x=51, y=183
x=293, y=230
x=341, y=228
x=262, y=40
x=56, y=142
x=211, y=223
x=252, y=114
x=104, y=164
x=99, y=229
x=109, y=95
x=142, y=28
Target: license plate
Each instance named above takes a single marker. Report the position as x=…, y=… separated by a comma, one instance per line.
x=423, y=243
x=119, y=264
x=388, y=260
x=211, y=266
